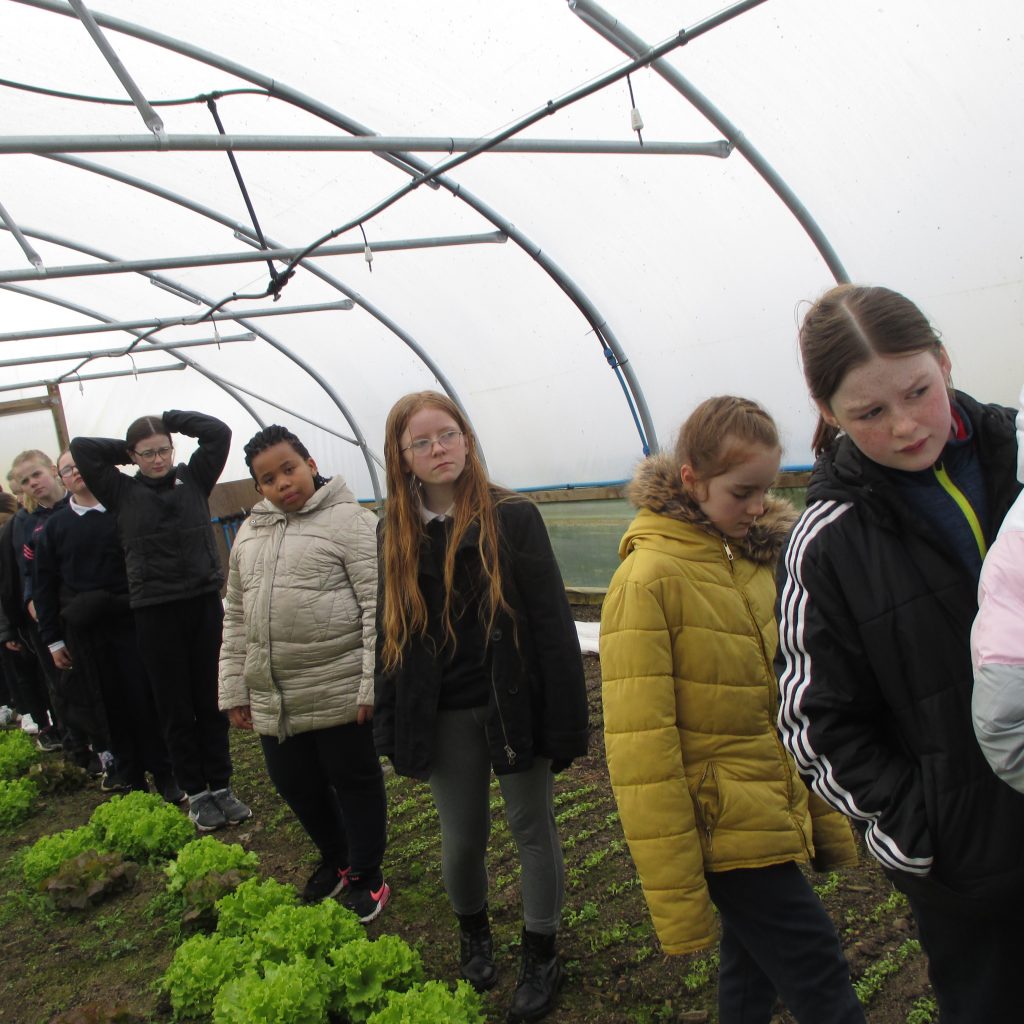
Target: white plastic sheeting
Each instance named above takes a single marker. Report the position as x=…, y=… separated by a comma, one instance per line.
x=895, y=123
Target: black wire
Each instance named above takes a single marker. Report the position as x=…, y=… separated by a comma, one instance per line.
x=201, y=98
x=367, y=245
x=212, y=104
x=632, y=103
x=280, y=279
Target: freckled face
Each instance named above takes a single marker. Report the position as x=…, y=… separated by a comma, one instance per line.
x=436, y=466
x=895, y=409
x=734, y=499
x=283, y=477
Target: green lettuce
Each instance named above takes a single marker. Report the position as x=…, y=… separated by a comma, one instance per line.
x=17, y=754
x=244, y=910
x=431, y=1002
x=291, y=993
x=141, y=826
x=17, y=798
x=201, y=966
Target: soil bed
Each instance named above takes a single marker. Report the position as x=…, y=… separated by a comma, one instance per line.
x=54, y=961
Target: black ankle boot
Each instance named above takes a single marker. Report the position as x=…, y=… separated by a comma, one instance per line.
x=476, y=951
x=540, y=977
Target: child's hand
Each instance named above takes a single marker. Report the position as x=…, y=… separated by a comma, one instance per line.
x=240, y=717
x=364, y=714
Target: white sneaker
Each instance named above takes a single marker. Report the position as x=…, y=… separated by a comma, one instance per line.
x=8, y=716
x=28, y=725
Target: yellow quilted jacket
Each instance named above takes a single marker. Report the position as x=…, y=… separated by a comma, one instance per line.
x=701, y=778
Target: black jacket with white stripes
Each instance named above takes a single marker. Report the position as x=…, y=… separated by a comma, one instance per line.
x=875, y=676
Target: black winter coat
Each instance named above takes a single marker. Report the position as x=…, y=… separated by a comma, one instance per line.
x=538, y=699
x=875, y=676
x=164, y=525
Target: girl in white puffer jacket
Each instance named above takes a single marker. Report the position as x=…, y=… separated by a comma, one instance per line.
x=298, y=657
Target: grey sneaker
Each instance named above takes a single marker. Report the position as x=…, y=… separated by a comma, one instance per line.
x=231, y=807
x=205, y=813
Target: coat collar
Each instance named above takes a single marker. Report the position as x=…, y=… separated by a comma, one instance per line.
x=656, y=487
x=334, y=492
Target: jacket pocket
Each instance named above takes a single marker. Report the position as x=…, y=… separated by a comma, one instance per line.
x=706, y=802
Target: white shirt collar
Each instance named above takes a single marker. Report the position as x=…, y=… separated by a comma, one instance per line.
x=428, y=517
x=80, y=510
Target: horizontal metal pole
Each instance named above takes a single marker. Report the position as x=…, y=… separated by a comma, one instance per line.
x=93, y=376
x=175, y=321
x=56, y=357
x=219, y=259
x=39, y=144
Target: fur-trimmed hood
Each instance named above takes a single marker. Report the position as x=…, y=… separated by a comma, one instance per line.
x=656, y=486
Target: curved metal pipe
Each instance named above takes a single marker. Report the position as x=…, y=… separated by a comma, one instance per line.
x=269, y=339
x=95, y=315
x=575, y=294
x=215, y=215
x=611, y=29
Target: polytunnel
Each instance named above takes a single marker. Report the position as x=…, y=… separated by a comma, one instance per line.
x=577, y=219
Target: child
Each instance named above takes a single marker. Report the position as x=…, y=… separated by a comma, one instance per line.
x=297, y=661
x=711, y=805
x=997, y=642
x=877, y=594
x=478, y=667
x=174, y=581
x=81, y=597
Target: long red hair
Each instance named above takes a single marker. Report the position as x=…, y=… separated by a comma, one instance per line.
x=405, y=610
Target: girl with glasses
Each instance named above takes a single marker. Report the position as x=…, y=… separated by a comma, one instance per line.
x=713, y=809
x=478, y=669
x=297, y=661
x=174, y=582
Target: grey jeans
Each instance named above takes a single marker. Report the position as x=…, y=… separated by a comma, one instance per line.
x=460, y=781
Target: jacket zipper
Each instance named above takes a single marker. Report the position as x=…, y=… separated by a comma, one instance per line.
x=783, y=755
x=709, y=767
x=509, y=752
x=963, y=503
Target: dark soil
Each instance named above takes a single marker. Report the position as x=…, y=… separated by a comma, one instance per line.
x=52, y=961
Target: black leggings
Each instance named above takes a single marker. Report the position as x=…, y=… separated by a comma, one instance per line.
x=331, y=779
x=180, y=647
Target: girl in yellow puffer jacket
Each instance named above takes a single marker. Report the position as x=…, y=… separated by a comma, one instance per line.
x=711, y=803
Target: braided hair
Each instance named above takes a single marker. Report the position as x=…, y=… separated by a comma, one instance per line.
x=276, y=434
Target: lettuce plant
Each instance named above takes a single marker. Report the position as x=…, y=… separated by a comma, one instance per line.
x=202, y=857
x=363, y=973
x=45, y=856
x=141, y=826
x=17, y=798
x=429, y=1002
x=89, y=878
x=201, y=966
x=17, y=754
x=244, y=910
x=290, y=993
x=309, y=931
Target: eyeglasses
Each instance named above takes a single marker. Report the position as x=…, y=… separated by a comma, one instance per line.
x=425, y=445
x=67, y=471
x=155, y=453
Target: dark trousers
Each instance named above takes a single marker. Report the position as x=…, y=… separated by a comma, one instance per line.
x=180, y=646
x=973, y=962
x=777, y=939
x=73, y=738
x=331, y=779
x=28, y=691
x=108, y=653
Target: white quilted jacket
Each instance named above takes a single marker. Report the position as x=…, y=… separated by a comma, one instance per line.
x=299, y=614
